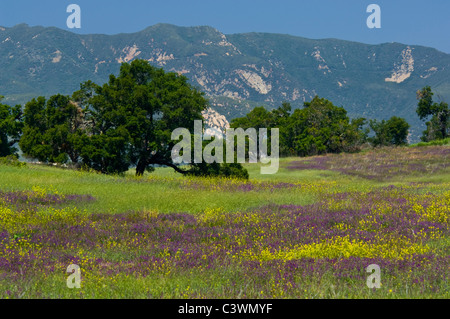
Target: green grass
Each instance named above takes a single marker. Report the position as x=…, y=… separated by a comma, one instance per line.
x=445, y=141
x=165, y=191
x=159, y=191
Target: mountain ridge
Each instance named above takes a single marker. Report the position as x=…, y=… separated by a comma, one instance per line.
x=237, y=71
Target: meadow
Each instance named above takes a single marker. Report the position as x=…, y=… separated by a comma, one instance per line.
x=308, y=231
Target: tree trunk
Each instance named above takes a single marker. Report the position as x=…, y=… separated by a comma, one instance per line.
x=176, y=168
x=141, y=166
x=143, y=163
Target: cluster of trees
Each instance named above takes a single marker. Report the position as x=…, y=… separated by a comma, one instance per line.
x=321, y=127
x=128, y=122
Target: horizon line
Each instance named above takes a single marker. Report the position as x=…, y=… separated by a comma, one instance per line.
x=226, y=34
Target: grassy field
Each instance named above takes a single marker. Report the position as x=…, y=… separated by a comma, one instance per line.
x=308, y=231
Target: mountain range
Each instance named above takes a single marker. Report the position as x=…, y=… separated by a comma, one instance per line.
x=236, y=71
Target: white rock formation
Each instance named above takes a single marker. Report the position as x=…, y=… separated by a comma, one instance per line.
x=214, y=122
x=58, y=56
x=129, y=53
x=403, y=70
x=255, y=81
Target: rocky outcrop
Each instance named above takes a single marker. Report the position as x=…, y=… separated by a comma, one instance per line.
x=404, y=69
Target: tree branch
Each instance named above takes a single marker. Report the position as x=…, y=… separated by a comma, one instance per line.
x=175, y=167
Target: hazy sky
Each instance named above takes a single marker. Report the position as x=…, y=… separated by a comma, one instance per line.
x=416, y=22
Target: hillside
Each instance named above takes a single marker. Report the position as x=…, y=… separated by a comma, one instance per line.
x=237, y=71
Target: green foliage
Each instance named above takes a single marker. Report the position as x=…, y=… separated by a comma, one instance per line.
x=105, y=153
x=126, y=122
x=132, y=117
x=391, y=132
x=203, y=169
x=259, y=118
x=10, y=128
x=433, y=143
x=318, y=128
x=51, y=129
x=228, y=170
x=438, y=127
x=12, y=160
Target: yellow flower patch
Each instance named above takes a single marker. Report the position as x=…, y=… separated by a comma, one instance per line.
x=342, y=247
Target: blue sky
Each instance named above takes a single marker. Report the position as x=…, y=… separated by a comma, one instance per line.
x=406, y=21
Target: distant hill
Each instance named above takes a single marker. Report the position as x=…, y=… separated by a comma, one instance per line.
x=237, y=71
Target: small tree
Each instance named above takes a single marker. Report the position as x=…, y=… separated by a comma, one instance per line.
x=439, y=124
x=398, y=130
x=321, y=127
x=391, y=132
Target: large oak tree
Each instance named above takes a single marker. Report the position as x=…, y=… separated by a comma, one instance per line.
x=141, y=107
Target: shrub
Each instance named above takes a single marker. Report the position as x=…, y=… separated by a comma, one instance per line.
x=12, y=160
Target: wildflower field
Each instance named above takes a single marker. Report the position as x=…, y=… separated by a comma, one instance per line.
x=309, y=231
